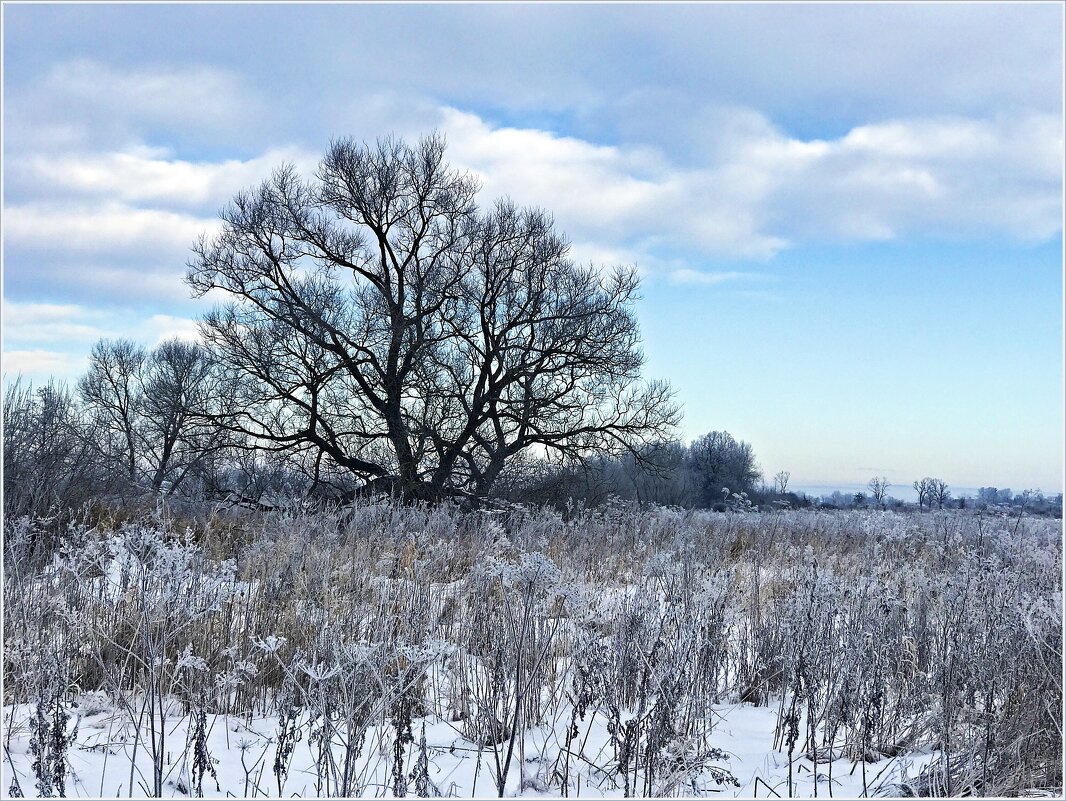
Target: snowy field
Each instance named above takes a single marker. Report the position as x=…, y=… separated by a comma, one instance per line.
x=246, y=748
x=384, y=651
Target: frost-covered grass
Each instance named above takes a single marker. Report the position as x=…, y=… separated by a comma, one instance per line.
x=396, y=651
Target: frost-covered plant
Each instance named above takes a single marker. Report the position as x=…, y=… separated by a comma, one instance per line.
x=869, y=633
x=49, y=739
x=202, y=761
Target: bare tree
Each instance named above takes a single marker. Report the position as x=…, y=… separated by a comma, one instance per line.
x=174, y=429
x=722, y=462
x=660, y=477
x=878, y=487
x=924, y=488
x=781, y=481
x=48, y=459
x=149, y=409
x=938, y=492
x=380, y=321
x=111, y=389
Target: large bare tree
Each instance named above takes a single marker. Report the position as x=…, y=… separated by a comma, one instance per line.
x=378, y=320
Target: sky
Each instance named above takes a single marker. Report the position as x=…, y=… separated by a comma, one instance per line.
x=848, y=218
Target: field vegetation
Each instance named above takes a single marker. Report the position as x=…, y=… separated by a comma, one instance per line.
x=392, y=650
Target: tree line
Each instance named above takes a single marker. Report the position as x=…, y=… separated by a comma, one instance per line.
x=935, y=493
x=135, y=423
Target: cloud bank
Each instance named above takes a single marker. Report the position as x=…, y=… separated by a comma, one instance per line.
x=759, y=191
x=101, y=205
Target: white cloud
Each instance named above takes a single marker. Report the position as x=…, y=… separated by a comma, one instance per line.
x=946, y=177
x=160, y=327
x=613, y=195
x=79, y=227
x=128, y=285
x=143, y=174
x=65, y=322
x=39, y=365
x=922, y=139
x=195, y=96
x=763, y=190
x=586, y=252
x=560, y=173
x=119, y=223
x=53, y=339
x=50, y=322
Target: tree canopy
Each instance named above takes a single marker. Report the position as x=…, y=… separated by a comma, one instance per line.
x=379, y=321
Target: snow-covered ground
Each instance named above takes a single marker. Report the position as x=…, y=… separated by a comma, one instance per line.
x=243, y=754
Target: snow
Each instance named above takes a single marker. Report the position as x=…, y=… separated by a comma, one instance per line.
x=243, y=751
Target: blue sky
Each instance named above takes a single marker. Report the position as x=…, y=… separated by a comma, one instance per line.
x=848, y=217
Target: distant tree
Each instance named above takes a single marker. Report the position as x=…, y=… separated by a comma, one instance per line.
x=781, y=481
x=986, y=496
x=175, y=431
x=718, y=461
x=48, y=458
x=859, y=499
x=1029, y=499
x=878, y=487
x=836, y=500
x=658, y=476
x=924, y=488
x=938, y=492
x=149, y=409
x=112, y=392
